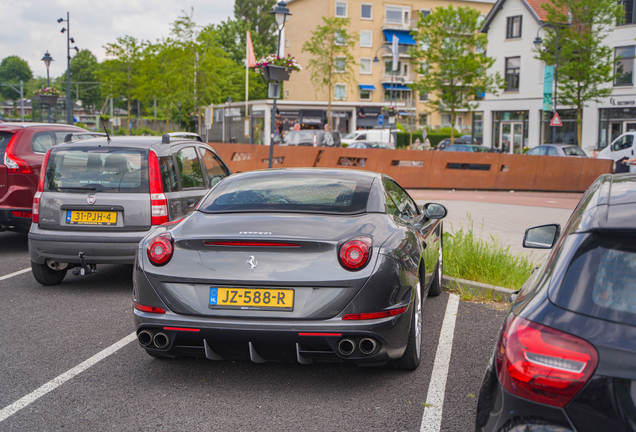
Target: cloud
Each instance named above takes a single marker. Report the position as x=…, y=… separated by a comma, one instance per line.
x=30, y=27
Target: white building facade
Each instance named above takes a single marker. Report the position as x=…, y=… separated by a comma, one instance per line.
x=514, y=119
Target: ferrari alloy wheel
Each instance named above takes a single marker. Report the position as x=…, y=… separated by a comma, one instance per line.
x=413, y=353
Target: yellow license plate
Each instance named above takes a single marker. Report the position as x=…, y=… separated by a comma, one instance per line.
x=258, y=299
x=91, y=217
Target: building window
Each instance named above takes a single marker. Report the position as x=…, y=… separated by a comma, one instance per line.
x=630, y=11
x=286, y=94
x=340, y=65
x=425, y=12
x=624, y=65
x=341, y=9
x=513, y=67
x=423, y=119
x=286, y=42
x=366, y=38
x=340, y=38
x=423, y=97
x=365, y=66
x=366, y=11
x=340, y=92
x=565, y=134
x=513, y=29
x=397, y=15
x=423, y=70
x=446, y=120
x=365, y=94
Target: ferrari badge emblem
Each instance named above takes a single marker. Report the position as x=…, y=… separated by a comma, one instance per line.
x=252, y=263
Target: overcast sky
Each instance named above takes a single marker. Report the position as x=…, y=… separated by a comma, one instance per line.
x=29, y=27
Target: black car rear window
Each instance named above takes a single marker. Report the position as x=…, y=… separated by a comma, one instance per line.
x=289, y=192
x=5, y=137
x=114, y=170
x=601, y=280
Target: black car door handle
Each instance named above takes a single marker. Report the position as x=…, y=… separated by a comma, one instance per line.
x=190, y=202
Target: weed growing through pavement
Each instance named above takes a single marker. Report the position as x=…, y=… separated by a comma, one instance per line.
x=467, y=256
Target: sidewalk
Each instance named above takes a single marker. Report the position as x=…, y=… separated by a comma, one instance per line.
x=533, y=199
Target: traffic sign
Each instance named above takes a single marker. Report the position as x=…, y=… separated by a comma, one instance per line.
x=556, y=120
x=380, y=119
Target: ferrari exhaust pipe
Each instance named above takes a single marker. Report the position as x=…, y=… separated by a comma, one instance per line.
x=346, y=347
x=367, y=346
x=145, y=338
x=161, y=340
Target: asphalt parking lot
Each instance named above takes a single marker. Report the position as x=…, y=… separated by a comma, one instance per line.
x=53, y=380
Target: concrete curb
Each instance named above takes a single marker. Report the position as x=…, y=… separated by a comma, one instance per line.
x=451, y=282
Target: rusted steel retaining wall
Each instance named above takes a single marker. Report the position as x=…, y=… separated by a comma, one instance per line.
x=431, y=169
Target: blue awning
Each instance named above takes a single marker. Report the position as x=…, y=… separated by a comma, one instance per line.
x=404, y=36
x=387, y=86
x=367, y=87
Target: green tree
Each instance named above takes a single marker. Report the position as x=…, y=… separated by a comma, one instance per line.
x=586, y=64
x=451, y=61
x=332, y=62
x=12, y=70
x=120, y=75
x=84, y=69
x=255, y=14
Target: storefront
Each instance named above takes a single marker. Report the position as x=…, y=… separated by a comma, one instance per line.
x=565, y=134
x=510, y=131
x=367, y=117
x=616, y=121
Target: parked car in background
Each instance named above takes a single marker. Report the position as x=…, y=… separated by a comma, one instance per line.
x=621, y=148
x=97, y=198
x=469, y=148
x=312, y=137
x=464, y=139
x=295, y=265
x=365, y=145
x=22, y=149
x=378, y=136
x=565, y=356
x=556, y=150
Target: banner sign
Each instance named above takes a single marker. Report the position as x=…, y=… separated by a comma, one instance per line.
x=548, y=84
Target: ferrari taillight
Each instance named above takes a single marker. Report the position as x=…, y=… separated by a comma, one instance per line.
x=150, y=309
x=355, y=253
x=160, y=249
x=543, y=364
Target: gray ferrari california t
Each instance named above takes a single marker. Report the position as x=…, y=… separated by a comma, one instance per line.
x=292, y=265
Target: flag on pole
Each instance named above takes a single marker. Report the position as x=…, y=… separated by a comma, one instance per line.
x=396, y=52
x=251, y=59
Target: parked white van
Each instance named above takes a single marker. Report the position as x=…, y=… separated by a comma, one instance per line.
x=379, y=136
x=621, y=147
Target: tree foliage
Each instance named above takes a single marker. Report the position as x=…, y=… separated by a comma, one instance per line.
x=331, y=58
x=586, y=64
x=451, y=60
x=260, y=22
x=12, y=70
x=84, y=69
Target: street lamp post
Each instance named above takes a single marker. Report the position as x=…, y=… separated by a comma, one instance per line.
x=228, y=116
x=69, y=40
x=376, y=61
x=47, y=59
x=280, y=11
x=537, y=43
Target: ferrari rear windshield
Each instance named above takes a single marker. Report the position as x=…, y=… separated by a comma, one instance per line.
x=291, y=192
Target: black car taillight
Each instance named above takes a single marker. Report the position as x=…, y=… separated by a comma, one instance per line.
x=160, y=249
x=355, y=253
x=543, y=364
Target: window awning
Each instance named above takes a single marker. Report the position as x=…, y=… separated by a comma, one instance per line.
x=367, y=87
x=404, y=36
x=387, y=86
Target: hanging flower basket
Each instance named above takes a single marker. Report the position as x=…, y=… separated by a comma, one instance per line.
x=389, y=111
x=48, y=95
x=277, y=68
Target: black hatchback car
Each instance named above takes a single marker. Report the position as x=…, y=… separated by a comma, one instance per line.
x=565, y=359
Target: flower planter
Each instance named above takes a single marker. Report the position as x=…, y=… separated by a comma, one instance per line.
x=48, y=99
x=277, y=73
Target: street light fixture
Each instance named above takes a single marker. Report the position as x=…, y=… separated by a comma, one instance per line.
x=47, y=59
x=280, y=11
x=537, y=42
x=69, y=39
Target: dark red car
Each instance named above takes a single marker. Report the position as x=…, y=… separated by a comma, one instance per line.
x=22, y=149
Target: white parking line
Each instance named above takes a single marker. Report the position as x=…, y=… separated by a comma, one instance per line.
x=58, y=381
x=432, y=419
x=19, y=272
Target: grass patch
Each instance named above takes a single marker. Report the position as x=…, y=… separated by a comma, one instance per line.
x=467, y=256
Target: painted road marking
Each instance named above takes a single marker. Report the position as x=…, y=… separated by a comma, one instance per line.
x=432, y=419
x=19, y=272
x=58, y=381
